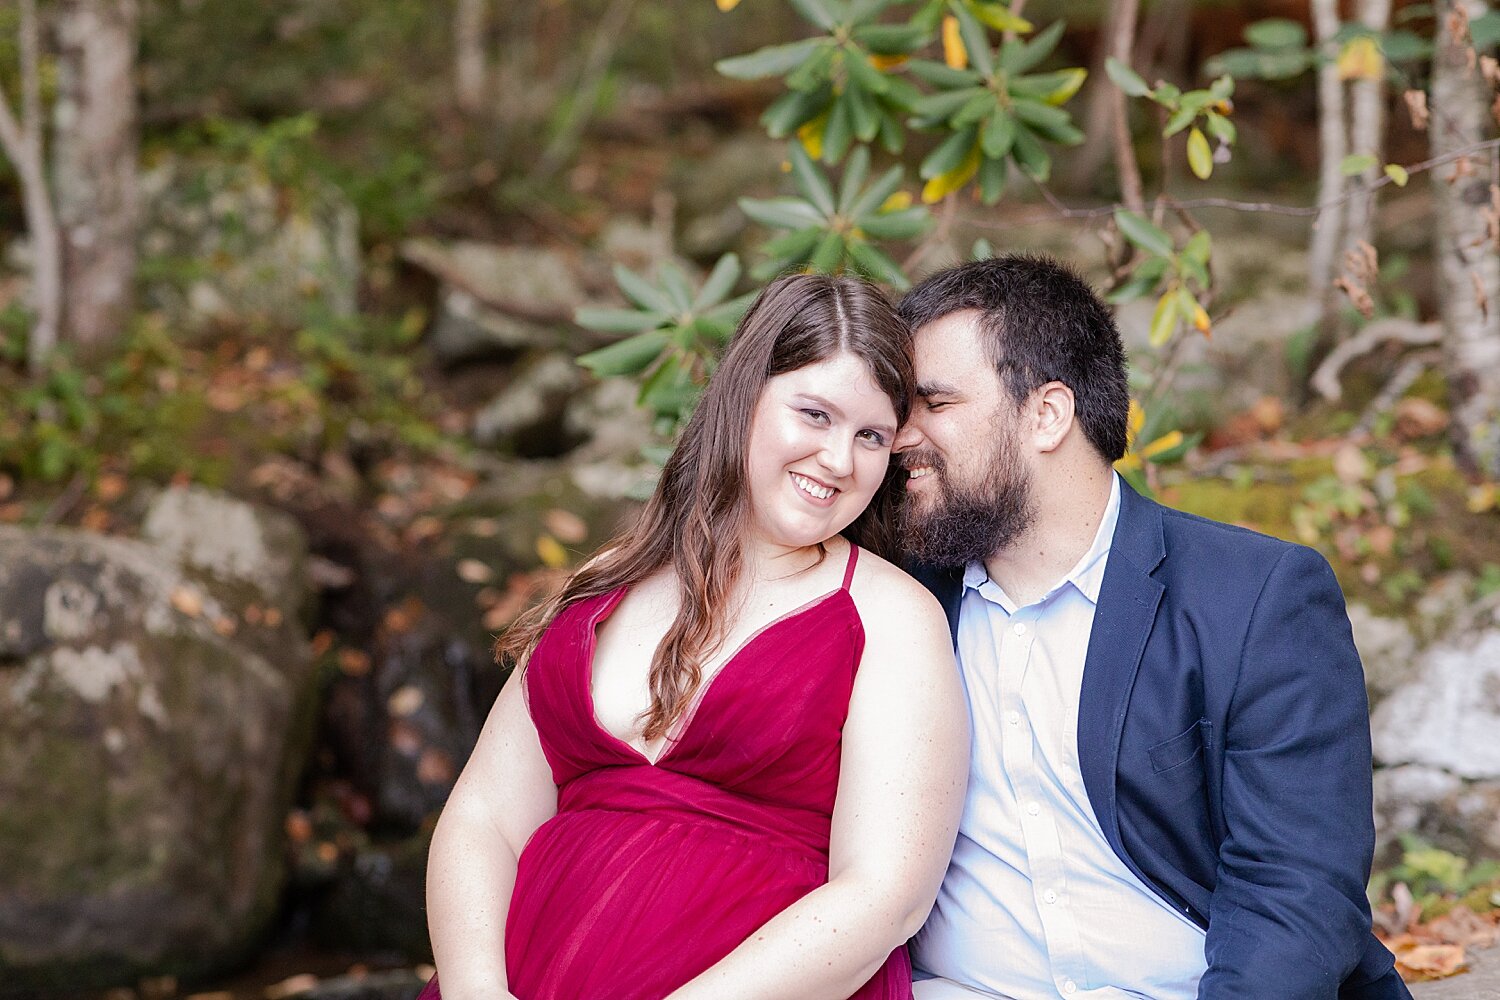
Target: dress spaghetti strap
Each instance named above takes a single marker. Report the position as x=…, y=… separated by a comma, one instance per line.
x=849, y=569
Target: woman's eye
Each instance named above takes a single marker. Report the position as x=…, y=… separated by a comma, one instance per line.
x=816, y=416
x=874, y=437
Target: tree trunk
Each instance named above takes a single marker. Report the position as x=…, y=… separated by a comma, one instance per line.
x=1468, y=265
x=468, y=48
x=22, y=141
x=1367, y=132
x=94, y=165
x=1328, y=228
x=1121, y=48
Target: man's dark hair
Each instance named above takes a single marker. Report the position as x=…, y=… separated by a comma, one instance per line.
x=1044, y=324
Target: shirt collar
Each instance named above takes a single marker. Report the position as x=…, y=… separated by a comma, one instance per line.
x=1088, y=573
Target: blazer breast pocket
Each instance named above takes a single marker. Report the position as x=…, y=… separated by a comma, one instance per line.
x=1178, y=762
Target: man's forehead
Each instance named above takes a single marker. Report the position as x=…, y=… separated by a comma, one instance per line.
x=951, y=348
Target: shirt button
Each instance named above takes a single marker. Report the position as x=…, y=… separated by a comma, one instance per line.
x=1020, y=629
x=1014, y=718
x=1051, y=897
x=1033, y=808
x=1070, y=987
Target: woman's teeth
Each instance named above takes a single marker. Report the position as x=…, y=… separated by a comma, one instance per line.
x=813, y=489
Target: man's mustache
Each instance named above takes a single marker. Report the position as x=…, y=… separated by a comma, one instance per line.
x=920, y=458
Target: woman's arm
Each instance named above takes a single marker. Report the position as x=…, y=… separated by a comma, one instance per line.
x=901, y=789
x=504, y=793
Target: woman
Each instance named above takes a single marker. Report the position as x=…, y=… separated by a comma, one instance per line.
x=651, y=811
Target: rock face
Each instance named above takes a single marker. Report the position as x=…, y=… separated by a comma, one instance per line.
x=1436, y=730
x=154, y=703
x=221, y=240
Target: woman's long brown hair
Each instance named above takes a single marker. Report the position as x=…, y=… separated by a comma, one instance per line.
x=697, y=517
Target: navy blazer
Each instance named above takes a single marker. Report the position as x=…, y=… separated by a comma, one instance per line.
x=1224, y=738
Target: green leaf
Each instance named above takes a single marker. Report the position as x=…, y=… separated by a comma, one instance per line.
x=815, y=70
x=719, y=283
x=1030, y=54
x=642, y=292
x=992, y=173
x=978, y=46
x=1142, y=233
x=1222, y=89
x=628, y=356
x=1200, y=157
x=1357, y=163
x=902, y=224
x=1030, y=156
x=1050, y=88
x=810, y=180
x=775, y=60
x=1179, y=120
x=840, y=130
x=1126, y=78
x=676, y=284
x=1276, y=33
x=948, y=102
x=863, y=113
x=794, y=109
x=891, y=39
x=1198, y=248
x=1397, y=174
x=1164, y=319
x=874, y=196
x=942, y=75
x=618, y=320
x=829, y=254
x=782, y=213
x=999, y=132
x=877, y=266
x=816, y=11
x=975, y=110
x=862, y=73
x=891, y=136
x=794, y=247
x=1052, y=123
x=1404, y=46
x=1221, y=128
x=949, y=154
x=1135, y=288
x=982, y=250
x=855, y=172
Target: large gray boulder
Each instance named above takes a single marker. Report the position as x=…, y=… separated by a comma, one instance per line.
x=1436, y=723
x=155, y=701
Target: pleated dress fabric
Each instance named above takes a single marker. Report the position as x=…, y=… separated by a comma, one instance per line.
x=650, y=873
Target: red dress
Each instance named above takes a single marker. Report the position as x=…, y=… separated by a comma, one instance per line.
x=651, y=873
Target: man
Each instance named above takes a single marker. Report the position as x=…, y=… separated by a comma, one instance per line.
x=1169, y=794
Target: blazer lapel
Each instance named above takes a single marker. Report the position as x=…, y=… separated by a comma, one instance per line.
x=1128, y=599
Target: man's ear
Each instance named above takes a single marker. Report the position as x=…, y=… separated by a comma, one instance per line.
x=1052, y=413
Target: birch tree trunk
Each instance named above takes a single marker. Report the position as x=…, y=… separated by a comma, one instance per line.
x=1367, y=132
x=468, y=49
x=1328, y=229
x=94, y=165
x=23, y=141
x=1468, y=265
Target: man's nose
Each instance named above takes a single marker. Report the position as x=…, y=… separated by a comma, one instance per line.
x=908, y=437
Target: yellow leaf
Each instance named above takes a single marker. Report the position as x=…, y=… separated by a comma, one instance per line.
x=886, y=63
x=727, y=5
x=1072, y=81
x=1360, y=59
x=1397, y=174
x=1164, y=443
x=943, y=185
x=954, y=53
x=551, y=552
x=1134, y=421
x=896, y=202
x=1128, y=462
x=1201, y=322
x=1200, y=157
x=1484, y=497
x=1164, y=319
x=811, y=135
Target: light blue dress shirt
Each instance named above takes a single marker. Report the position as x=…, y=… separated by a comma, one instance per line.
x=1035, y=902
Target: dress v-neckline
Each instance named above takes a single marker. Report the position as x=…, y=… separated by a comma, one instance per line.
x=684, y=724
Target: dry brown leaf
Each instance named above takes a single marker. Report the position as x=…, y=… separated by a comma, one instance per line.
x=322, y=642
x=1417, y=418
x=405, y=701
x=7, y=486
x=1416, y=107
x=354, y=662
x=474, y=571
x=299, y=828
x=110, y=486
x=187, y=600
x=567, y=526
x=404, y=737
x=226, y=626
x=1462, y=926
x=305, y=981
x=1350, y=464
x=1481, y=299
x=1430, y=961
x=435, y=767
x=484, y=527
x=272, y=618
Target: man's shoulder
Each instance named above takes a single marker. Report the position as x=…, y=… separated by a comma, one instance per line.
x=1181, y=530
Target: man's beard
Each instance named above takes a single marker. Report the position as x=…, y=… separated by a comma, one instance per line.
x=959, y=525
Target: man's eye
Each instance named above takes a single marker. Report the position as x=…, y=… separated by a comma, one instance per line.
x=933, y=405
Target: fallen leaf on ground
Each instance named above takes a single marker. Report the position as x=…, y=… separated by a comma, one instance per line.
x=566, y=525
x=1430, y=961
x=188, y=601
x=474, y=571
x=304, y=981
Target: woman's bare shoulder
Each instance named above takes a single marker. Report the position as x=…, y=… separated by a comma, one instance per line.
x=887, y=594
